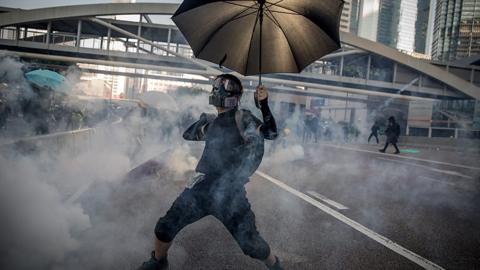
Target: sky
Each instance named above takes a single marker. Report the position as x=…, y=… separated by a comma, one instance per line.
x=31, y=4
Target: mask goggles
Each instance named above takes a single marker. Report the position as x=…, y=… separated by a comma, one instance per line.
x=225, y=93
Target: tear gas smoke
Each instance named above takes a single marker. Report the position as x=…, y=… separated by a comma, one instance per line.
x=81, y=206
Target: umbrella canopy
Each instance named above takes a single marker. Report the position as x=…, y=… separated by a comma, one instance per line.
x=255, y=37
x=47, y=79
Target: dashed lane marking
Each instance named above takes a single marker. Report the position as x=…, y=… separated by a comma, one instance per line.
x=333, y=203
x=454, y=173
x=419, y=260
x=402, y=157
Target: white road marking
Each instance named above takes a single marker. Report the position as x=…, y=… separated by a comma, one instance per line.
x=401, y=156
x=436, y=180
x=333, y=203
x=454, y=173
x=357, y=226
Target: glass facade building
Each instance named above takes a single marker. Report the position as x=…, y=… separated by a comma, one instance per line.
x=401, y=24
x=457, y=29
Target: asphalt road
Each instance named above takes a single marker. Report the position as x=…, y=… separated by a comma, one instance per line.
x=332, y=207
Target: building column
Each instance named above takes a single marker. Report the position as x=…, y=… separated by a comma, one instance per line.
x=169, y=39
x=49, y=30
x=394, y=78
x=79, y=33
x=17, y=34
x=139, y=33
x=369, y=62
x=109, y=37
x=341, y=65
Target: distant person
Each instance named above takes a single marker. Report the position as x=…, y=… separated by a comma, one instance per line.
x=374, y=132
x=5, y=112
x=392, y=132
x=233, y=150
x=314, y=127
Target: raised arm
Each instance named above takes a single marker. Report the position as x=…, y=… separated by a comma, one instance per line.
x=268, y=128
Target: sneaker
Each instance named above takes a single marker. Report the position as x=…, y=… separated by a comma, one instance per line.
x=276, y=266
x=154, y=264
x=381, y=151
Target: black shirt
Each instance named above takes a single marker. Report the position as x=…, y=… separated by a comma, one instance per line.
x=223, y=146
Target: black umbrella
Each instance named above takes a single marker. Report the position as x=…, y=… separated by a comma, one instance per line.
x=255, y=37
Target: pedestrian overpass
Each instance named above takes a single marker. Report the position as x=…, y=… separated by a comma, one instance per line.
x=99, y=35
x=360, y=79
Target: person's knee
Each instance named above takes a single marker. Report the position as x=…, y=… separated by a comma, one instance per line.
x=164, y=230
x=256, y=248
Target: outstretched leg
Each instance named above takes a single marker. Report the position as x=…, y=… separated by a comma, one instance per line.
x=397, y=151
x=384, y=148
x=186, y=209
x=239, y=219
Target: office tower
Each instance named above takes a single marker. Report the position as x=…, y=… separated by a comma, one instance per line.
x=401, y=24
x=457, y=29
x=346, y=15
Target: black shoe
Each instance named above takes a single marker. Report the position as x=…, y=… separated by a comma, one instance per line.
x=275, y=266
x=154, y=264
x=381, y=151
x=397, y=152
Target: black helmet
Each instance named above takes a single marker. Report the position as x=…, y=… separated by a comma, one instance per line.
x=226, y=91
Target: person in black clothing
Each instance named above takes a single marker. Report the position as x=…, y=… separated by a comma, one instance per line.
x=233, y=151
x=374, y=132
x=392, y=132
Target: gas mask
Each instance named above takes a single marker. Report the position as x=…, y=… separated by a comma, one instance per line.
x=225, y=93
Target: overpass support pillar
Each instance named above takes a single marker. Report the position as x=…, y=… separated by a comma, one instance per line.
x=169, y=39
x=341, y=65
x=109, y=38
x=49, y=31
x=79, y=33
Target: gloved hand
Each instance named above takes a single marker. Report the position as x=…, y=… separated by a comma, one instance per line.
x=261, y=95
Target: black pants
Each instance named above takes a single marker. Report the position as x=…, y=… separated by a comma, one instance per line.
x=226, y=202
x=373, y=135
x=394, y=145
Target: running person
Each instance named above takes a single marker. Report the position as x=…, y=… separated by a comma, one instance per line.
x=233, y=151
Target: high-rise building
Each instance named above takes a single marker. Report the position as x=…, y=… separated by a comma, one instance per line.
x=407, y=26
x=402, y=24
x=354, y=16
x=368, y=19
x=388, y=22
x=457, y=29
x=346, y=15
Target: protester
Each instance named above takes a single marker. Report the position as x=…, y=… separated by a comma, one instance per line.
x=392, y=132
x=233, y=151
x=374, y=132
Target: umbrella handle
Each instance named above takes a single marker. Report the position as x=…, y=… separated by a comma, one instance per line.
x=255, y=96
